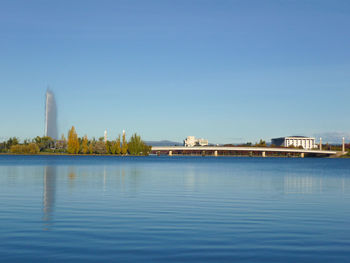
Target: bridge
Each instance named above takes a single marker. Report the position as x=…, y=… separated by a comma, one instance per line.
x=242, y=151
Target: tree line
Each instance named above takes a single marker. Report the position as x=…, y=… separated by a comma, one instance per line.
x=77, y=145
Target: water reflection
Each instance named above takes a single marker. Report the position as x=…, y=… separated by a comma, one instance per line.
x=104, y=179
x=71, y=176
x=49, y=192
x=190, y=179
x=301, y=185
x=312, y=184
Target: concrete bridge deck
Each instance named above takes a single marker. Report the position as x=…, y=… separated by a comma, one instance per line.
x=216, y=150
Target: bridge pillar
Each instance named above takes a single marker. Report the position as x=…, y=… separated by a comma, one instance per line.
x=170, y=153
x=263, y=154
x=302, y=155
x=215, y=153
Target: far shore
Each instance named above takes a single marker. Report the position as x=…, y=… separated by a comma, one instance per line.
x=67, y=154
x=174, y=155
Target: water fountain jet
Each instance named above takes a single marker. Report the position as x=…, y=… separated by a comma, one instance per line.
x=50, y=115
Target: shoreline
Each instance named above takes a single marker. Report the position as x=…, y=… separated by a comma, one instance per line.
x=174, y=155
x=67, y=154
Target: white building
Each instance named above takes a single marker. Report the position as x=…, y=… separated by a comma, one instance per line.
x=191, y=141
x=296, y=141
x=202, y=142
x=105, y=136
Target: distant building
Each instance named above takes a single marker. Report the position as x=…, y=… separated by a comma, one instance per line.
x=296, y=141
x=191, y=141
x=105, y=136
x=202, y=142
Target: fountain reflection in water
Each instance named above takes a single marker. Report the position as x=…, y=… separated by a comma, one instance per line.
x=49, y=192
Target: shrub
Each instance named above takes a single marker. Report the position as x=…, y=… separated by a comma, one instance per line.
x=31, y=148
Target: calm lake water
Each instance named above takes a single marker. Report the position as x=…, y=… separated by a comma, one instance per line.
x=174, y=209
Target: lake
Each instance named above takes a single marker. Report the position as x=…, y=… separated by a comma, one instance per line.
x=174, y=209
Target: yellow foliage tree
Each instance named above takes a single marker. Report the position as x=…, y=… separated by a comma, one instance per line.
x=91, y=148
x=73, y=142
x=31, y=148
x=118, y=150
x=84, y=145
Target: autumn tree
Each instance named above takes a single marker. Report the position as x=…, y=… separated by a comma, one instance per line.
x=114, y=147
x=118, y=148
x=100, y=147
x=84, y=145
x=33, y=148
x=30, y=148
x=91, y=148
x=73, y=141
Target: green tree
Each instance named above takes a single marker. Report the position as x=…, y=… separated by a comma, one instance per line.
x=146, y=149
x=124, y=148
x=261, y=143
x=10, y=142
x=3, y=147
x=61, y=144
x=137, y=147
x=73, y=142
x=108, y=145
x=44, y=143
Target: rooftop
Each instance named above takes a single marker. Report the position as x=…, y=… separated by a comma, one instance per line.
x=295, y=136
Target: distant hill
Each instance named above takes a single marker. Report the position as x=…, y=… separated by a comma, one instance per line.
x=163, y=143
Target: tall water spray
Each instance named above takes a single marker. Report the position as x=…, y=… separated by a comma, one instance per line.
x=50, y=115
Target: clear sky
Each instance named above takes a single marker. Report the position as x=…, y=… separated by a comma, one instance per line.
x=229, y=71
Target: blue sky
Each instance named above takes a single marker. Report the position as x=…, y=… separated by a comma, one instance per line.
x=229, y=71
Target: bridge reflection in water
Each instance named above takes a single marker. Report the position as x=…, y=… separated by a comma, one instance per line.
x=312, y=184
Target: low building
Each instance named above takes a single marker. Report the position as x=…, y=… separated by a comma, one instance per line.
x=191, y=141
x=202, y=142
x=296, y=141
